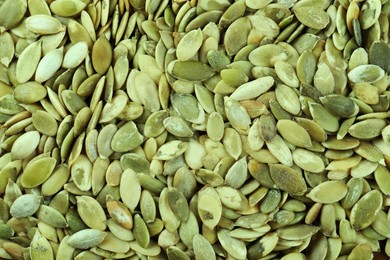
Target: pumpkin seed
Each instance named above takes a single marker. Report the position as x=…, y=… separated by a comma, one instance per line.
x=86, y=238
x=370, y=204
x=328, y=192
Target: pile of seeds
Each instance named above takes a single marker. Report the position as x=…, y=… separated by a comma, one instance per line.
x=201, y=129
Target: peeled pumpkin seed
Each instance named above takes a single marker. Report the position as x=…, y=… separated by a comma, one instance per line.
x=28, y=62
x=75, y=55
x=37, y=172
x=25, y=206
x=49, y=65
x=123, y=141
x=370, y=204
x=252, y=89
x=40, y=247
x=190, y=70
x=86, y=238
x=43, y=24
x=19, y=150
x=288, y=179
x=189, y=45
x=101, y=55
x=366, y=74
x=67, y=7
x=51, y=216
x=236, y=35
x=294, y=133
x=12, y=12
x=91, y=212
x=328, y=192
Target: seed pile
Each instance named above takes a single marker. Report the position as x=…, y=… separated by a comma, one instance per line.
x=201, y=129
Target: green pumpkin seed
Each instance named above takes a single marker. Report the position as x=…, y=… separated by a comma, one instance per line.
x=141, y=233
x=288, y=179
x=328, y=192
x=37, y=172
x=190, y=70
x=86, y=238
x=51, y=216
x=122, y=141
x=12, y=12
x=25, y=206
x=364, y=212
x=366, y=74
x=40, y=247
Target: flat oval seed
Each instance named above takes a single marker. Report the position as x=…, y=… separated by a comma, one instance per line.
x=237, y=115
x=154, y=125
x=278, y=148
x=308, y=161
x=126, y=138
x=49, y=65
x=91, y=212
x=113, y=109
x=377, y=53
x=178, y=204
x=130, y=189
x=56, y=180
x=295, y=232
x=178, y=127
x=140, y=230
x=51, y=216
x=267, y=55
x=370, y=12
x=286, y=73
x=339, y=105
x=40, y=247
x=236, y=248
x=28, y=62
x=171, y=150
x=322, y=117
x=146, y=91
x=288, y=179
x=364, y=212
x=148, y=207
x=202, y=248
x=190, y=70
x=209, y=207
x=25, y=145
x=81, y=171
x=189, y=45
x=7, y=50
x=253, y=88
x=30, y=92
x=72, y=101
x=86, y=238
x=37, y=172
x=294, y=133
x=312, y=17
x=44, y=24
x=367, y=129
x=328, y=192
x=101, y=55
x=367, y=73
x=236, y=35
x=25, y=206
x=44, y=123
x=382, y=178
x=288, y=99
x=120, y=213
x=12, y=12
x=75, y=55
